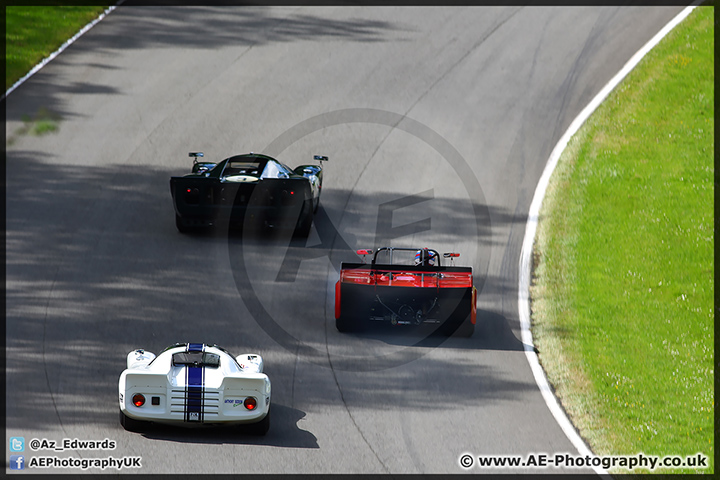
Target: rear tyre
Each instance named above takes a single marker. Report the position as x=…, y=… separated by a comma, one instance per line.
x=343, y=325
x=260, y=428
x=182, y=228
x=352, y=324
x=132, y=425
x=466, y=329
x=302, y=229
x=463, y=329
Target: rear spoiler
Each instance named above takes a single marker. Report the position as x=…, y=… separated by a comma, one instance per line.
x=369, y=251
x=236, y=385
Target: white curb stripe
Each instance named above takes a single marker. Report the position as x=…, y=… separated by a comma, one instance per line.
x=531, y=227
x=60, y=50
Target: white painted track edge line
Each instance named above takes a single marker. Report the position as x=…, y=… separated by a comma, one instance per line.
x=531, y=227
x=62, y=48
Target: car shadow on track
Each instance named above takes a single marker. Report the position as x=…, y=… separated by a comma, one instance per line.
x=97, y=268
x=283, y=432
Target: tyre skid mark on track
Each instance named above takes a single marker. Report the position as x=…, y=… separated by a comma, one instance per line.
x=372, y=156
x=463, y=57
x=45, y=362
x=342, y=397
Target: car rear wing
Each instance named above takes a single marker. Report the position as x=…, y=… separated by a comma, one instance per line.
x=198, y=195
x=380, y=275
x=146, y=380
x=390, y=250
x=249, y=382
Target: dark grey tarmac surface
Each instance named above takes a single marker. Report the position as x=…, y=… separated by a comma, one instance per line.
x=438, y=123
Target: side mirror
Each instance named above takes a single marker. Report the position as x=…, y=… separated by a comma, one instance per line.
x=139, y=358
x=363, y=252
x=452, y=256
x=250, y=362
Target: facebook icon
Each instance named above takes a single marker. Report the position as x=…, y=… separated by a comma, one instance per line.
x=17, y=462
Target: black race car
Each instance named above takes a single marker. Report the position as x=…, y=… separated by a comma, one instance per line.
x=252, y=187
x=406, y=287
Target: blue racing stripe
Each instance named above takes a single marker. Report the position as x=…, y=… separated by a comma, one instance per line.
x=194, y=386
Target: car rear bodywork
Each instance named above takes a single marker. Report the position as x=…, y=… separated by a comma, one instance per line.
x=405, y=295
x=250, y=189
x=193, y=385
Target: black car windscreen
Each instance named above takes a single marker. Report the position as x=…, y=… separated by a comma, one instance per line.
x=196, y=359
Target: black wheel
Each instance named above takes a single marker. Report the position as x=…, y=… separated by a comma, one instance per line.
x=466, y=329
x=462, y=329
x=260, y=428
x=132, y=425
x=342, y=325
x=302, y=229
x=182, y=228
x=350, y=324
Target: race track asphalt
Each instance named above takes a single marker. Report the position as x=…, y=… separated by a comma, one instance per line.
x=438, y=123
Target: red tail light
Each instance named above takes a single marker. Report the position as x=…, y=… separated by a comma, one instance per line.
x=138, y=400
x=250, y=403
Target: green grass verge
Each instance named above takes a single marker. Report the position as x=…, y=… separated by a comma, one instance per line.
x=623, y=288
x=33, y=33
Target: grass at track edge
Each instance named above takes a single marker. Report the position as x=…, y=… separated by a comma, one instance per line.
x=623, y=279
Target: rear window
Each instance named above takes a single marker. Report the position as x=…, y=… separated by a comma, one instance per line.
x=196, y=359
x=243, y=168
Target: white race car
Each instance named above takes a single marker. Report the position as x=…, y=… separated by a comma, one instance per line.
x=192, y=384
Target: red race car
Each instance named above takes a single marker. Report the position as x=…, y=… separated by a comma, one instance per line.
x=406, y=286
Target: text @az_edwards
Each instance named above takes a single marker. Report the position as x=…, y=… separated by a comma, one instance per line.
x=40, y=444
x=566, y=460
